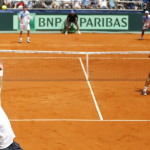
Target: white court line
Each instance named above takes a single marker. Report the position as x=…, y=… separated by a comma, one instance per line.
x=99, y=45
x=74, y=120
x=91, y=90
x=82, y=45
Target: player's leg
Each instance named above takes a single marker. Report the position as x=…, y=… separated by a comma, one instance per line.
x=1, y=78
x=67, y=27
x=143, y=31
x=78, y=30
x=147, y=82
x=21, y=31
x=28, y=36
x=28, y=32
x=20, y=40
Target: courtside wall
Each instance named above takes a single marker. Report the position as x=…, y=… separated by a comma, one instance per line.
x=89, y=20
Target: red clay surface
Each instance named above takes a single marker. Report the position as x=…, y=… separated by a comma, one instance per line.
x=117, y=94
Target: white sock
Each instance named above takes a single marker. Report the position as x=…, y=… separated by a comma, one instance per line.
x=28, y=38
x=1, y=73
x=21, y=39
x=145, y=88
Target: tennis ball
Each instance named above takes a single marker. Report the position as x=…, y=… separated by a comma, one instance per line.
x=4, y=7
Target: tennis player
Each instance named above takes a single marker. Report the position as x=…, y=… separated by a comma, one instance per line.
x=72, y=18
x=146, y=22
x=6, y=133
x=24, y=18
x=147, y=82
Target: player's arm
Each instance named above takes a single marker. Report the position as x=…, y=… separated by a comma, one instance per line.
x=68, y=17
x=147, y=80
x=76, y=18
x=1, y=74
x=29, y=17
x=20, y=18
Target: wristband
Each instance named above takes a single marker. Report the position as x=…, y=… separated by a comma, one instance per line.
x=1, y=73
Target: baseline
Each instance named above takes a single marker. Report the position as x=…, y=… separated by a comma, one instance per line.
x=75, y=120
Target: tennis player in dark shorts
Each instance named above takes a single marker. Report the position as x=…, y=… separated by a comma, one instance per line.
x=72, y=18
x=6, y=133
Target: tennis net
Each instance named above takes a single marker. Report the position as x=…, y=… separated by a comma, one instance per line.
x=21, y=65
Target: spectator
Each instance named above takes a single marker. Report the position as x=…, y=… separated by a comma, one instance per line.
x=39, y=4
x=129, y=4
x=138, y=5
x=94, y=4
x=19, y=5
x=112, y=4
x=119, y=4
x=56, y=4
x=8, y=3
x=146, y=5
x=77, y=4
x=14, y=3
x=66, y=4
x=30, y=4
x=85, y=4
x=103, y=4
x=48, y=3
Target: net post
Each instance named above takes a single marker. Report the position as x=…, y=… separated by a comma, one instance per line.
x=87, y=65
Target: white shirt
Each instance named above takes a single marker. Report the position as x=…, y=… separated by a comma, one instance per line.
x=25, y=17
x=103, y=3
x=6, y=133
x=146, y=20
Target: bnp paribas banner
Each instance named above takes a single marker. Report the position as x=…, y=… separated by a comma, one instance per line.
x=86, y=22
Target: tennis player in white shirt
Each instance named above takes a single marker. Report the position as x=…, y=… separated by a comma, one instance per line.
x=6, y=133
x=146, y=23
x=24, y=18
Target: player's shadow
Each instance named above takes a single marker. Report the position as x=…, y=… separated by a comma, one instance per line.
x=140, y=91
x=14, y=41
x=142, y=40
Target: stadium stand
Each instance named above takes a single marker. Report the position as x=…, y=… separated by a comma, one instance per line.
x=80, y=4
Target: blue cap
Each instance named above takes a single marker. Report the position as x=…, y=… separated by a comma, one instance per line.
x=72, y=12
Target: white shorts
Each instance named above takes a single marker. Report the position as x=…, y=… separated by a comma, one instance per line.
x=24, y=27
x=146, y=26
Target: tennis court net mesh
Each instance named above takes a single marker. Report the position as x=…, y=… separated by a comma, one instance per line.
x=60, y=65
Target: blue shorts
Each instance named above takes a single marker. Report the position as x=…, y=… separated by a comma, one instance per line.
x=13, y=146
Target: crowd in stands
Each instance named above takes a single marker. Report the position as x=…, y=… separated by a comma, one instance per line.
x=79, y=4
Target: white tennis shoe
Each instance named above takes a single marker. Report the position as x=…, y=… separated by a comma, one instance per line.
x=78, y=32
x=20, y=41
x=141, y=38
x=28, y=41
x=144, y=93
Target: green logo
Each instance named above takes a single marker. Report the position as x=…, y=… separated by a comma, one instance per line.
x=86, y=22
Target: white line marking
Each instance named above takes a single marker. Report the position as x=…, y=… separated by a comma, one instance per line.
x=72, y=52
x=83, y=45
x=91, y=90
x=99, y=45
x=75, y=120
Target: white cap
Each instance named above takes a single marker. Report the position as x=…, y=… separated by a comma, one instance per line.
x=146, y=12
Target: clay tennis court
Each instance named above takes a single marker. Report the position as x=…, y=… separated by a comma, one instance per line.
x=51, y=104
